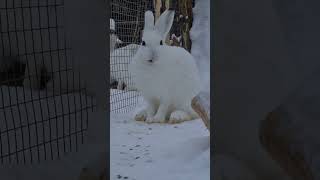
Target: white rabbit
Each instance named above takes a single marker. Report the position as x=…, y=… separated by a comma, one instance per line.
x=167, y=76
x=119, y=60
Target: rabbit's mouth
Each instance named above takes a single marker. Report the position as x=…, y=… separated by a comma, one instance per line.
x=149, y=62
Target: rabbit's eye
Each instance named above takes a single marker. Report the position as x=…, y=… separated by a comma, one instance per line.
x=161, y=42
x=143, y=43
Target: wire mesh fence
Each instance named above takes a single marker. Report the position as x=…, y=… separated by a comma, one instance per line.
x=126, y=26
x=38, y=121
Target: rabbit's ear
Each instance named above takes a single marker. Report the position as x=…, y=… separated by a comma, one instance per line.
x=148, y=20
x=164, y=23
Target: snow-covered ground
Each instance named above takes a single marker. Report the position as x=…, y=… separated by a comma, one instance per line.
x=143, y=151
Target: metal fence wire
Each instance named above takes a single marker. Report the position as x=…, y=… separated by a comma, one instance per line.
x=126, y=24
x=36, y=124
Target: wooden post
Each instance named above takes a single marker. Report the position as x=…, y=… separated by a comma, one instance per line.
x=201, y=105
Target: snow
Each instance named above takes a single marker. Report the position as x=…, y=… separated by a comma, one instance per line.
x=157, y=151
x=200, y=36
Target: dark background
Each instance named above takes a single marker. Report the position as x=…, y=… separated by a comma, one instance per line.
x=261, y=53
x=265, y=58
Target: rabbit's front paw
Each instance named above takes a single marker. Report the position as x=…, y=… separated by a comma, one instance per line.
x=141, y=116
x=179, y=116
x=155, y=119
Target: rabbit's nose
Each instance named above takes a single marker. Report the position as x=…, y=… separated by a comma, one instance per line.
x=152, y=53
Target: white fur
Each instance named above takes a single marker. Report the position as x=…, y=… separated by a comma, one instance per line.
x=169, y=83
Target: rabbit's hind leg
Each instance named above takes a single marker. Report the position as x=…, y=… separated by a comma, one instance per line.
x=179, y=116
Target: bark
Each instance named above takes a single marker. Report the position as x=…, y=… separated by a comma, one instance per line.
x=185, y=9
x=157, y=8
x=167, y=6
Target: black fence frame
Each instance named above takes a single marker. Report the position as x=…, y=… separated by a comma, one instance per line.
x=35, y=124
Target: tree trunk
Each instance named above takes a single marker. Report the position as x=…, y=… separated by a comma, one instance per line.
x=168, y=5
x=183, y=20
x=157, y=8
x=185, y=9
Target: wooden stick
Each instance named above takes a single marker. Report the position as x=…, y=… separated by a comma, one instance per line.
x=201, y=105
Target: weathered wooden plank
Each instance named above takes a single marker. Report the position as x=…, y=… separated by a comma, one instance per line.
x=201, y=104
